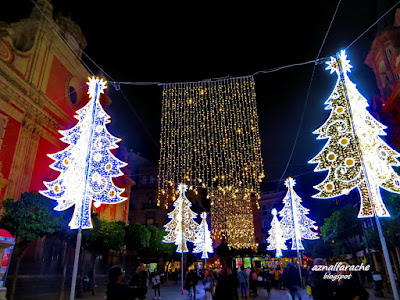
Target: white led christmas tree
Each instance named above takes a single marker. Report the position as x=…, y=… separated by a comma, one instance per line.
x=203, y=241
x=182, y=227
x=86, y=166
x=296, y=225
x=276, y=239
x=355, y=155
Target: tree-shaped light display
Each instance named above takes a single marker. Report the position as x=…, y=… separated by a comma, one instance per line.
x=86, y=166
x=203, y=241
x=182, y=227
x=276, y=239
x=355, y=155
x=296, y=225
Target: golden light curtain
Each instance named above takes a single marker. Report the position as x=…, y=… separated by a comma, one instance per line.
x=210, y=139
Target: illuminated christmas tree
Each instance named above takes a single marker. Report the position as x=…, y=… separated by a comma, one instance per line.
x=86, y=166
x=203, y=241
x=296, y=225
x=182, y=227
x=355, y=155
x=276, y=239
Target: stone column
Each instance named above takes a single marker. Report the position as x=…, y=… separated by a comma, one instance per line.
x=24, y=158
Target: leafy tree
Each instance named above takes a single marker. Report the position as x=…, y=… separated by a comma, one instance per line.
x=341, y=228
x=391, y=226
x=105, y=236
x=29, y=219
x=137, y=237
x=156, y=246
x=318, y=248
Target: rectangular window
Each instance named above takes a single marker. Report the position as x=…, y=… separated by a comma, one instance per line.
x=150, y=222
x=264, y=210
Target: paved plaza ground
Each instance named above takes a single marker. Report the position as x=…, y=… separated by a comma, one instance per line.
x=169, y=291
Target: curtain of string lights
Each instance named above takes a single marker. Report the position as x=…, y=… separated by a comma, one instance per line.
x=210, y=139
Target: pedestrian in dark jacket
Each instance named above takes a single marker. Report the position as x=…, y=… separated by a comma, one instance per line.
x=291, y=276
x=117, y=289
x=253, y=280
x=226, y=286
x=321, y=289
x=191, y=283
x=350, y=289
x=242, y=277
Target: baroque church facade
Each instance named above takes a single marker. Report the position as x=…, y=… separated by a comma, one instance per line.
x=42, y=84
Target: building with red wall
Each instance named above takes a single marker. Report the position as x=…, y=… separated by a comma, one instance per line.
x=42, y=84
x=384, y=59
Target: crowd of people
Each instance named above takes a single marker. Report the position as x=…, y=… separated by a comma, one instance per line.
x=226, y=283
x=230, y=283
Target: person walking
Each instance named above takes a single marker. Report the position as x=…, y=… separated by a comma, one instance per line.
x=209, y=283
x=226, y=287
x=253, y=283
x=321, y=289
x=191, y=283
x=292, y=280
x=350, y=289
x=243, y=282
x=117, y=289
x=156, y=285
x=267, y=282
x=278, y=277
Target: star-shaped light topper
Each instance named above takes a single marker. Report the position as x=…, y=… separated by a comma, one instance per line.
x=182, y=188
x=290, y=182
x=333, y=64
x=92, y=86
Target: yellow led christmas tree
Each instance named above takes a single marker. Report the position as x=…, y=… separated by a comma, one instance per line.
x=182, y=228
x=295, y=224
x=355, y=155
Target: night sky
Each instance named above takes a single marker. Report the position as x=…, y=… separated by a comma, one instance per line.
x=150, y=42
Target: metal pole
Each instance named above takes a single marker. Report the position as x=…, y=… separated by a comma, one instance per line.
x=301, y=277
x=378, y=224
x=182, y=271
x=181, y=246
x=294, y=216
x=76, y=263
x=387, y=259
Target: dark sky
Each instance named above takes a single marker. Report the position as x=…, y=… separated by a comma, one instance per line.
x=148, y=41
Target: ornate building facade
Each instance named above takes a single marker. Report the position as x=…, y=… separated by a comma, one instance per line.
x=42, y=84
x=384, y=59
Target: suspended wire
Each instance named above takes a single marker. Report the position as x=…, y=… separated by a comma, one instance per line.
x=117, y=84
x=373, y=24
x=307, y=97
x=57, y=30
x=140, y=120
x=316, y=61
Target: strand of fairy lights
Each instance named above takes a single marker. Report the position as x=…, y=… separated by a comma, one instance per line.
x=210, y=139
